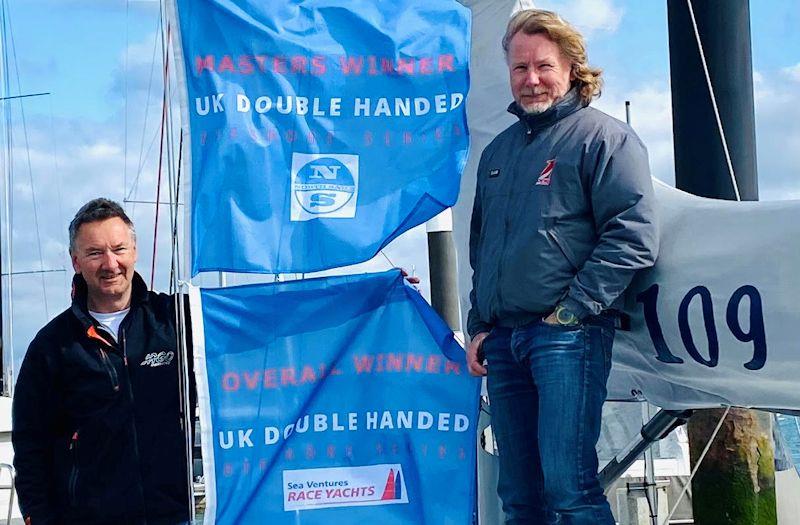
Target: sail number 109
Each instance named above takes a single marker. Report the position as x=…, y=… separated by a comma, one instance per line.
x=755, y=333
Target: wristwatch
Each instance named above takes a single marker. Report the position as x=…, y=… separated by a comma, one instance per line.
x=565, y=317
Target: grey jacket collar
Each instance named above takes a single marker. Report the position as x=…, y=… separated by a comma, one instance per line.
x=564, y=107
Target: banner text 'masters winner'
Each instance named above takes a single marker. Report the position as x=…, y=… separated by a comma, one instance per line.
x=319, y=65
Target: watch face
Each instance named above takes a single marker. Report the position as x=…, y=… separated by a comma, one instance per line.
x=565, y=317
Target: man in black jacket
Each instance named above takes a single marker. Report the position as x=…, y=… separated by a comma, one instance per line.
x=98, y=419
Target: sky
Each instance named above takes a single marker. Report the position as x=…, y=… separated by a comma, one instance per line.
x=97, y=132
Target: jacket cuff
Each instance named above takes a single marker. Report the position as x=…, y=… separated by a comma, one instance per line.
x=478, y=327
x=577, y=308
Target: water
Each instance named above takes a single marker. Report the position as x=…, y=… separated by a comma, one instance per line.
x=790, y=430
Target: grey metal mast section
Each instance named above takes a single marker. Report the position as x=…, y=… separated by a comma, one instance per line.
x=442, y=267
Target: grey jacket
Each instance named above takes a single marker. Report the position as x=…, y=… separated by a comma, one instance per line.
x=564, y=213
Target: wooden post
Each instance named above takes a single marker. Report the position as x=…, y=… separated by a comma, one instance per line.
x=736, y=483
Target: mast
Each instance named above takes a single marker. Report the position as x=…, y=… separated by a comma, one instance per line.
x=6, y=214
x=2, y=378
x=715, y=136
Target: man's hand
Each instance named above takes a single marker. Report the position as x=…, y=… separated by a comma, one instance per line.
x=551, y=319
x=561, y=316
x=413, y=280
x=475, y=355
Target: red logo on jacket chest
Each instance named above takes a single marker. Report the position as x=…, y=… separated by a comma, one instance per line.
x=544, y=176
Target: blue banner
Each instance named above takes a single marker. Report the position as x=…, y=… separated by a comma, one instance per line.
x=338, y=400
x=320, y=129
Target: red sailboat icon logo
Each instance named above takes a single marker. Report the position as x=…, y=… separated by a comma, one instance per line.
x=544, y=176
x=394, y=486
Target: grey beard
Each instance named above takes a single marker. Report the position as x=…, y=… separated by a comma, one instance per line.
x=537, y=109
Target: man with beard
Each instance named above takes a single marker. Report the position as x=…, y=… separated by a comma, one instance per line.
x=563, y=218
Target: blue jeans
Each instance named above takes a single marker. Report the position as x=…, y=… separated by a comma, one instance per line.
x=546, y=387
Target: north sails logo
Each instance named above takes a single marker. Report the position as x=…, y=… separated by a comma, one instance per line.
x=544, y=176
x=155, y=359
x=324, y=186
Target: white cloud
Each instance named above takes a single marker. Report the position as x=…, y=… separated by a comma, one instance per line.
x=792, y=72
x=589, y=16
x=106, y=6
x=777, y=109
x=771, y=89
x=651, y=118
x=761, y=89
x=778, y=135
x=100, y=151
x=142, y=52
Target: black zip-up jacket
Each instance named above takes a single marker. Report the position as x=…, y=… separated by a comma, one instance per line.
x=97, y=428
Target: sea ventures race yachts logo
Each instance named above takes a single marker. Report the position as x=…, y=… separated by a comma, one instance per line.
x=324, y=186
x=344, y=487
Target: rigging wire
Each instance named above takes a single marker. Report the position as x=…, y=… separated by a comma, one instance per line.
x=125, y=97
x=171, y=169
x=183, y=316
x=170, y=135
x=160, y=154
x=135, y=184
x=142, y=154
x=27, y=95
x=30, y=170
x=8, y=334
x=391, y=264
x=175, y=203
x=57, y=169
x=714, y=102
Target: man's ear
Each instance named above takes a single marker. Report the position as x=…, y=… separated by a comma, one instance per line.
x=75, y=265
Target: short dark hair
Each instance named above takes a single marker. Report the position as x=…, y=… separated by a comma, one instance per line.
x=97, y=210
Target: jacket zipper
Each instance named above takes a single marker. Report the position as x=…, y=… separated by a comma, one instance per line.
x=124, y=349
x=498, y=295
x=130, y=393
x=73, y=475
x=112, y=372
